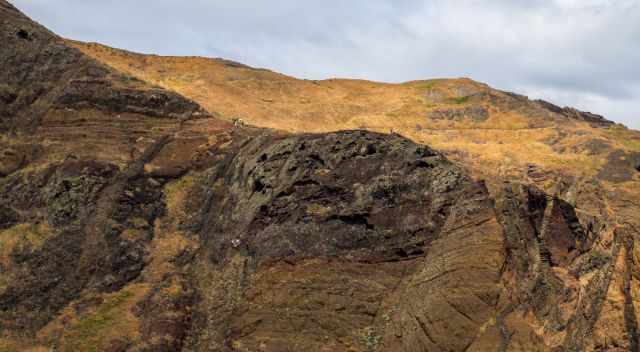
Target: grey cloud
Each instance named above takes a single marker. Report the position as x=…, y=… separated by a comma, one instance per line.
x=582, y=53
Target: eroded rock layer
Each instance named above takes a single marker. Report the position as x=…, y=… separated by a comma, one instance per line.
x=133, y=220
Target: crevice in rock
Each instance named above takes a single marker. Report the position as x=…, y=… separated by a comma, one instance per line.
x=24, y=34
x=317, y=159
x=587, y=313
x=354, y=219
x=505, y=334
x=630, y=316
x=425, y=329
x=305, y=183
x=258, y=186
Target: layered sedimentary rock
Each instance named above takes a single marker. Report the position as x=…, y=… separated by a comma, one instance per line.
x=133, y=220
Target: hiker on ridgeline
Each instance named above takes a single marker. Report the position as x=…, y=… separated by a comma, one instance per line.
x=238, y=122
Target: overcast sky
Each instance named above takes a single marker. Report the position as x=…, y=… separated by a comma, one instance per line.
x=583, y=53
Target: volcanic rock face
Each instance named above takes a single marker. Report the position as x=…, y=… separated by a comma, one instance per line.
x=476, y=114
x=52, y=90
x=350, y=240
x=334, y=210
x=334, y=227
x=40, y=73
x=575, y=114
x=133, y=220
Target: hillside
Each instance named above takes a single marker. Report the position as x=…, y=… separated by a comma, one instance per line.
x=470, y=119
x=343, y=215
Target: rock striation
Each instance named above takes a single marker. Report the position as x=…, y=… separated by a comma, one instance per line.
x=133, y=220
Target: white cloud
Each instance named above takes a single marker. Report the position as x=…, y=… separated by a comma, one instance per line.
x=582, y=53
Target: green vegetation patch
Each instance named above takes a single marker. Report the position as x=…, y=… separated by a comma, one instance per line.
x=6, y=346
x=92, y=331
x=632, y=144
x=628, y=138
x=599, y=255
x=176, y=191
x=22, y=237
x=459, y=100
x=427, y=85
x=371, y=338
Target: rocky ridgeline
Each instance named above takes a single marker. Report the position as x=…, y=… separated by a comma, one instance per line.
x=477, y=102
x=40, y=73
x=575, y=113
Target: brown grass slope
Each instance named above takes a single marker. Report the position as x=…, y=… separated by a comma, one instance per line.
x=501, y=131
x=135, y=217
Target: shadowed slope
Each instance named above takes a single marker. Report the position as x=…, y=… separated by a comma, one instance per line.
x=55, y=92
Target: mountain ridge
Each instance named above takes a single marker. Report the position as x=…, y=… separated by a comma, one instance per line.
x=565, y=110
x=93, y=49
x=180, y=204
x=424, y=111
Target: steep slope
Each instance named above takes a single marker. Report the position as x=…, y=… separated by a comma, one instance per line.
x=270, y=98
x=74, y=135
x=60, y=96
x=132, y=220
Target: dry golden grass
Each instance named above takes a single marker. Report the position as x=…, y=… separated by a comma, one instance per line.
x=23, y=237
x=94, y=321
x=108, y=317
x=269, y=99
x=88, y=324
x=501, y=147
x=175, y=194
x=8, y=345
x=169, y=242
x=503, y=143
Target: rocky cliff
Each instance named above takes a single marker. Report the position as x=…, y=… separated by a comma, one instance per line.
x=131, y=219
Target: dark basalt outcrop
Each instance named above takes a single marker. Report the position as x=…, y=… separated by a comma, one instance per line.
x=333, y=195
x=343, y=239
x=102, y=94
x=40, y=73
x=621, y=166
x=355, y=199
x=538, y=107
x=575, y=113
x=479, y=98
x=473, y=113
